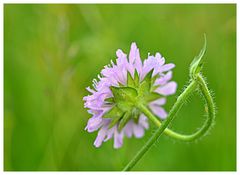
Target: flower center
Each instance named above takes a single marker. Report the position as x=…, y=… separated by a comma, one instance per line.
x=126, y=99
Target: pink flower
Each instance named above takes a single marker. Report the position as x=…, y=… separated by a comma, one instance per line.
x=130, y=73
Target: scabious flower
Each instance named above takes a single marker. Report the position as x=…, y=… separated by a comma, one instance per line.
x=121, y=88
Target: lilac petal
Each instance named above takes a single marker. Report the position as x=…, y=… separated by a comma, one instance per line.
x=128, y=129
x=90, y=90
x=160, y=59
x=153, y=63
x=168, y=89
x=103, y=86
x=122, y=75
x=148, y=65
x=107, y=71
x=164, y=79
x=159, y=111
x=131, y=69
x=100, y=137
x=95, y=101
x=138, y=130
x=120, y=54
x=160, y=101
x=118, y=139
x=167, y=67
x=132, y=54
x=94, y=124
x=143, y=121
x=138, y=63
x=110, y=133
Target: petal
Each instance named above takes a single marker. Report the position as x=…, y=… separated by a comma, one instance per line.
x=132, y=54
x=168, y=89
x=131, y=69
x=138, y=130
x=138, y=62
x=143, y=121
x=128, y=129
x=160, y=59
x=148, y=65
x=159, y=111
x=160, y=101
x=120, y=54
x=118, y=139
x=100, y=137
x=90, y=90
x=110, y=133
x=164, y=79
x=167, y=67
x=94, y=124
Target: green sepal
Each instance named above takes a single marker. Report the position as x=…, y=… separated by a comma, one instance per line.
x=126, y=117
x=153, y=79
x=135, y=115
x=148, y=77
x=130, y=81
x=133, y=82
x=109, y=100
x=123, y=93
x=196, y=65
x=153, y=96
x=136, y=79
x=153, y=88
x=115, y=120
x=112, y=112
x=145, y=85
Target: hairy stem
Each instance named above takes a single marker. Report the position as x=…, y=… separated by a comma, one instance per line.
x=198, y=82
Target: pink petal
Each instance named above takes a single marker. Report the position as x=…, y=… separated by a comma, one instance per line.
x=143, y=121
x=160, y=59
x=118, y=139
x=160, y=101
x=128, y=129
x=132, y=54
x=131, y=69
x=164, y=79
x=94, y=124
x=138, y=63
x=120, y=54
x=159, y=111
x=110, y=133
x=90, y=90
x=100, y=137
x=168, y=89
x=167, y=67
x=138, y=130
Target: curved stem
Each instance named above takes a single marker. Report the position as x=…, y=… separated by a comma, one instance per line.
x=176, y=107
x=202, y=130
x=158, y=133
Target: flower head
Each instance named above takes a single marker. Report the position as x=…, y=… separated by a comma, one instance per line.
x=123, y=86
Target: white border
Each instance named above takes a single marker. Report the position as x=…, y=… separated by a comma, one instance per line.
x=121, y=1
x=112, y=1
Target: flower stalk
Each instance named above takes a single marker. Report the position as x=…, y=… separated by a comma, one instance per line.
x=197, y=83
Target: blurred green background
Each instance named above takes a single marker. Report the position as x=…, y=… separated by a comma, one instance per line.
x=52, y=53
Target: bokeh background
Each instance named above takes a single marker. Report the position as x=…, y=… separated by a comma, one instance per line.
x=52, y=53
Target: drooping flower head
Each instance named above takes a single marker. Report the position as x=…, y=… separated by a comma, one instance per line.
x=121, y=88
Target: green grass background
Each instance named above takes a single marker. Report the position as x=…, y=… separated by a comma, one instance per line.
x=52, y=53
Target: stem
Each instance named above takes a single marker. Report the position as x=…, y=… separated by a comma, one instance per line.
x=202, y=130
x=180, y=100
x=176, y=107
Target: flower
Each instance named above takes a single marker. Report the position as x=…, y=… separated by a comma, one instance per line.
x=123, y=86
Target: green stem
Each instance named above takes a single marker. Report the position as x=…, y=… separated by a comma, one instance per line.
x=202, y=130
x=176, y=107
